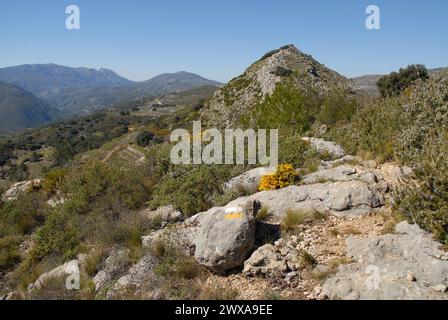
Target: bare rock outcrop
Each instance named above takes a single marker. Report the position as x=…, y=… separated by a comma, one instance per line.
x=329, y=147
x=166, y=214
x=140, y=282
x=20, y=188
x=341, y=198
x=404, y=265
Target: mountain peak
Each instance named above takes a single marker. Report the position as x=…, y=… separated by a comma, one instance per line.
x=286, y=64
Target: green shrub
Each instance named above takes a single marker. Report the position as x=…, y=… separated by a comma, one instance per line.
x=423, y=144
x=395, y=83
x=193, y=189
x=53, y=180
x=59, y=236
x=413, y=129
x=374, y=129
x=9, y=252
x=145, y=138
x=287, y=108
x=293, y=150
x=337, y=106
x=426, y=201
x=21, y=216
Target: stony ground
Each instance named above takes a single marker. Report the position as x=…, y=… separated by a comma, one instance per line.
x=349, y=243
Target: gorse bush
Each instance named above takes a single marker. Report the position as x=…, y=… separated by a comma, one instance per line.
x=283, y=177
x=395, y=83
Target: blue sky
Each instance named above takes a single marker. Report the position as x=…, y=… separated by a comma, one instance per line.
x=220, y=38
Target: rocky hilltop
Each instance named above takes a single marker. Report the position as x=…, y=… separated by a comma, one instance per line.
x=284, y=65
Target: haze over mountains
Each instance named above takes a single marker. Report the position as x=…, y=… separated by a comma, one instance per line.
x=21, y=109
x=60, y=91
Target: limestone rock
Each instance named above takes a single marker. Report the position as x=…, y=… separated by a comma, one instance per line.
x=139, y=281
x=226, y=237
x=344, y=198
x=322, y=146
x=341, y=173
x=20, y=188
x=249, y=180
x=384, y=264
x=264, y=261
x=114, y=265
x=64, y=270
x=167, y=214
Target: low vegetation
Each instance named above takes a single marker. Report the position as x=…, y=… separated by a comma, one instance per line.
x=396, y=82
x=283, y=177
x=412, y=129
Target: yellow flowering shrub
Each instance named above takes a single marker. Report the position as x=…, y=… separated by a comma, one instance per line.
x=283, y=177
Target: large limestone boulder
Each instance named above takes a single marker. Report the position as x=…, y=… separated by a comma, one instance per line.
x=20, y=188
x=226, y=237
x=322, y=146
x=404, y=265
x=341, y=198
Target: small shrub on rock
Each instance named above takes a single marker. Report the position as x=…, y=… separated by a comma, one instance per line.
x=283, y=177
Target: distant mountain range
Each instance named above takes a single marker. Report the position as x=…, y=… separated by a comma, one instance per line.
x=21, y=109
x=75, y=91
x=85, y=100
x=46, y=80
